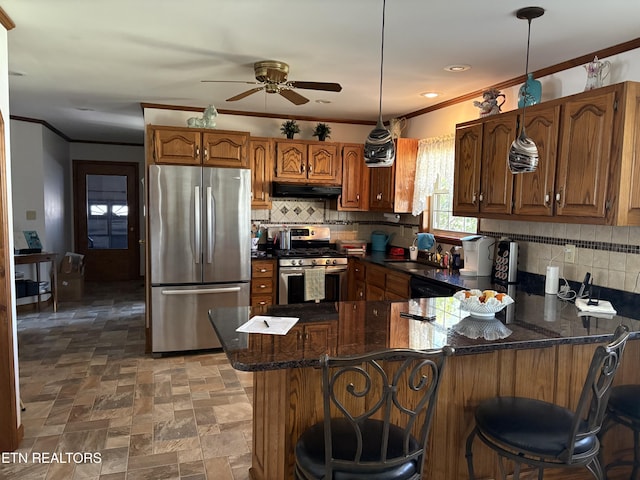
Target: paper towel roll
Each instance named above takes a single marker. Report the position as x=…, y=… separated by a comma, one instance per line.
x=551, y=284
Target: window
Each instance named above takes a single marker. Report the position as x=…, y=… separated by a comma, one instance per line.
x=434, y=181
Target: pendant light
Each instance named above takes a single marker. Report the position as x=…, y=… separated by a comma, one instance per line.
x=379, y=149
x=523, y=154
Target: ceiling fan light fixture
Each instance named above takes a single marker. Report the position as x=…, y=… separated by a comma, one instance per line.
x=379, y=149
x=523, y=155
x=429, y=94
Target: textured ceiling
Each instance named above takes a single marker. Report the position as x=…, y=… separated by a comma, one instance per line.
x=85, y=66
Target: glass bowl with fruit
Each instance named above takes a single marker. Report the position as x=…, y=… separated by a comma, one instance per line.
x=482, y=303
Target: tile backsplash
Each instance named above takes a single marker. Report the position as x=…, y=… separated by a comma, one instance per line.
x=610, y=254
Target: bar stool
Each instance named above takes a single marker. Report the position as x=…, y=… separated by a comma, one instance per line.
x=544, y=435
x=624, y=408
x=373, y=404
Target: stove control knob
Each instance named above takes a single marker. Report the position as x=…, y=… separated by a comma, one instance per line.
x=300, y=262
x=313, y=262
x=328, y=262
x=335, y=262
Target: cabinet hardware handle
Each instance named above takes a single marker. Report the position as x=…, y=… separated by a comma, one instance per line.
x=375, y=312
x=480, y=197
x=547, y=197
x=197, y=152
x=379, y=196
x=358, y=196
x=354, y=307
x=206, y=154
x=263, y=302
x=306, y=336
x=262, y=285
x=473, y=198
x=310, y=168
x=263, y=270
x=558, y=197
x=302, y=168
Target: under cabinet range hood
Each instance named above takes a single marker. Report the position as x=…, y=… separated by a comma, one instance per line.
x=305, y=190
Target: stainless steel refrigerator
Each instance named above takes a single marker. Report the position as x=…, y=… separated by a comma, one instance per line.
x=200, y=251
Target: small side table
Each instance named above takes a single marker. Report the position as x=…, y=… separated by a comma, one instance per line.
x=37, y=259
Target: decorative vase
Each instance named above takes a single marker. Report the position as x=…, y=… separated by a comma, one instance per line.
x=322, y=138
x=290, y=135
x=530, y=92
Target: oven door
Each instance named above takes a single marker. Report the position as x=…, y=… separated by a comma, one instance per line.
x=291, y=284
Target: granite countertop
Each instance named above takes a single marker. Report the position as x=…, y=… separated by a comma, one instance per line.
x=349, y=328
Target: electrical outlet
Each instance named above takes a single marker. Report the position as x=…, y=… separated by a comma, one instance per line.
x=570, y=253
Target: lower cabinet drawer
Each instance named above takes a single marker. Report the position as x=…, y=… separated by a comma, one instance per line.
x=257, y=300
x=261, y=286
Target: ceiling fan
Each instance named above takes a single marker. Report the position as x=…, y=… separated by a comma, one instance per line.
x=272, y=74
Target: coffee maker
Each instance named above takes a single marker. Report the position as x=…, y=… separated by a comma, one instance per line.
x=478, y=256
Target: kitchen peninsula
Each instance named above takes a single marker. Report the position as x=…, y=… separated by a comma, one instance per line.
x=545, y=356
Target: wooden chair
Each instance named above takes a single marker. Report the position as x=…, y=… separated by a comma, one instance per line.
x=377, y=413
x=544, y=435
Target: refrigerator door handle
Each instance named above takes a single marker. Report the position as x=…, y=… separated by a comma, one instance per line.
x=211, y=225
x=201, y=291
x=197, y=223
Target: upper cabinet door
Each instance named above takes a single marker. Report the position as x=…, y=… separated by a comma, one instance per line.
x=466, y=182
x=496, y=192
x=291, y=160
x=324, y=164
x=182, y=147
x=585, y=149
x=225, y=149
x=355, y=178
x=534, y=192
x=261, y=164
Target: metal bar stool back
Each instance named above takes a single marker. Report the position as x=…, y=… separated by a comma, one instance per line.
x=624, y=409
x=544, y=435
x=377, y=413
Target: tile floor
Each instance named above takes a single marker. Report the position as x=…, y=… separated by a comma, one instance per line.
x=89, y=389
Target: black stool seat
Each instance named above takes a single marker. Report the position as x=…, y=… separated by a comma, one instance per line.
x=537, y=434
x=310, y=452
x=624, y=408
x=625, y=400
x=531, y=425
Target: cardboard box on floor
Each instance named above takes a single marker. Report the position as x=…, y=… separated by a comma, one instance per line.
x=71, y=278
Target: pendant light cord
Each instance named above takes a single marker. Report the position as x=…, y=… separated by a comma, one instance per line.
x=381, y=63
x=525, y=89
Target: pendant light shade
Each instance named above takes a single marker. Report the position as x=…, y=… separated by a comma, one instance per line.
x=379, y=149
x=523, y=154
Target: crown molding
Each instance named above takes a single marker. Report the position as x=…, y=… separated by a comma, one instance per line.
x=5, y=20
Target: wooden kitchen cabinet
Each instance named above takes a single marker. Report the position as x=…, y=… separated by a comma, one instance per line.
x=588, y=171
x=391, y=188
x=261, y=164
x=308, y=162
x=355, y=179
x=534, y=192
x=386, y=284
x=482, y=180
x=356, y=279
x=263, y=282
x=193, y=146
x=586, y=154
x=310, y=340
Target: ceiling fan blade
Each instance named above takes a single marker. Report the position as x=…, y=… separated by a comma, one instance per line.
x=326, y=86
x=293, y=97
x=244, y=94
x=228, y=81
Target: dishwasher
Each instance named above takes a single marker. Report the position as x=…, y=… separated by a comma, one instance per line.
x=425, y=288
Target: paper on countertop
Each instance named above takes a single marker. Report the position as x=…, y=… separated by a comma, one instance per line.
x=603, y=307
x=277, y=325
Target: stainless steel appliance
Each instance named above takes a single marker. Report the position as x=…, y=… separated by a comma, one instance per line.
x=310, y=248
x=200, y=251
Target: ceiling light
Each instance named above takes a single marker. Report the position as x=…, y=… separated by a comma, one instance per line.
x=457, y=68
x=321, y=100
x=523, y=154
x=429, y=94
x=379, y=149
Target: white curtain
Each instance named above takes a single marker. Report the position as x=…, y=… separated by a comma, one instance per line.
x=434, y=169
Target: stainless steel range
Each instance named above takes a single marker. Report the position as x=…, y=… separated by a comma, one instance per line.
x=310, y=248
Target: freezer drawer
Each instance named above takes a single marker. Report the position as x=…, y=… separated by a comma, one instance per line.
x=179, y=315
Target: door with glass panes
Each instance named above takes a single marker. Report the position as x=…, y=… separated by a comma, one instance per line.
x=106, y=219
